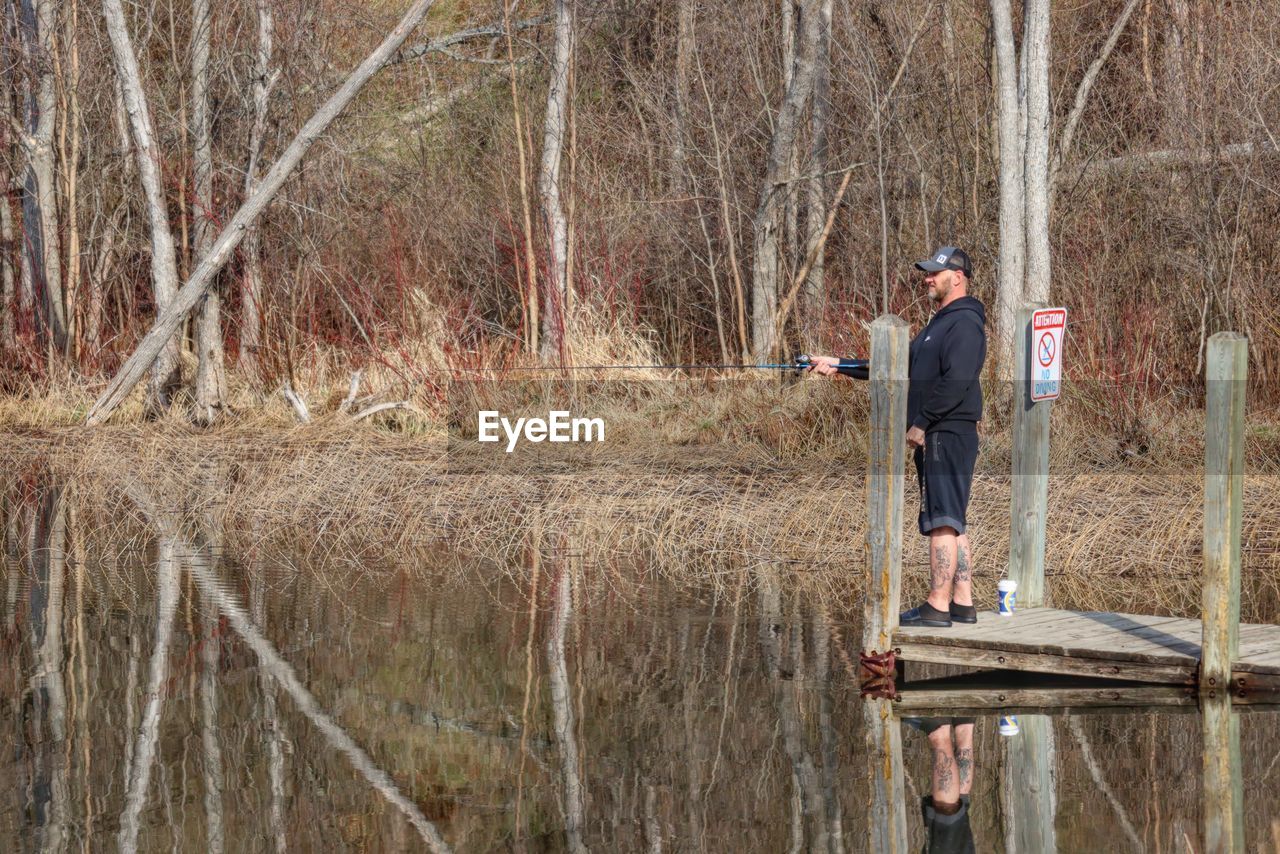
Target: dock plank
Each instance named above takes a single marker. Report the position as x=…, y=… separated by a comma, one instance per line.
x=1037, y=662
x=1084, y=642
x=1070, y=635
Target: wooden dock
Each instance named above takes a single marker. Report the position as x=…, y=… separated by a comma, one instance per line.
x=1043, y=660
x=1101, y=645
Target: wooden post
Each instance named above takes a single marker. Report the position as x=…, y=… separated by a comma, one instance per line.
x=886, y=480
x=1227, y=368
x=887, y=818
x=1029, y=786
x=1222, y=813
x=1029, y=491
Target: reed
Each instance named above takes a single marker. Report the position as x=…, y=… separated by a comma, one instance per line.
x=1124, y=531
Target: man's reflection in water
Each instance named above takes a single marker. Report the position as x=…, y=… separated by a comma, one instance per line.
x=945, y=810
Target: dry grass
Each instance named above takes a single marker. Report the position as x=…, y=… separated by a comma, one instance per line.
x=1124, y=533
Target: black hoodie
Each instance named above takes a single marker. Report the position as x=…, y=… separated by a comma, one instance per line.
x=945, y=365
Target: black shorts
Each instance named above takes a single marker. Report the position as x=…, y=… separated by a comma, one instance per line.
x=945, y=470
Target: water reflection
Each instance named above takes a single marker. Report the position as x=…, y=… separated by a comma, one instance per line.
x=162, y=690
x=945, y=810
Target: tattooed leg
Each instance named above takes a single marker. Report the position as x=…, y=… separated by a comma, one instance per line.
x=946, y=779
x=942, y=566
x=964, y=756
x=963, y=592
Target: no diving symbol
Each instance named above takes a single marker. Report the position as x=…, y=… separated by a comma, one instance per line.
x=1046, y=349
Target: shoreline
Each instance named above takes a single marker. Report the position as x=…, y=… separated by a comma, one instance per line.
x=1117, y=540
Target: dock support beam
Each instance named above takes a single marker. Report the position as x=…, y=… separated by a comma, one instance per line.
x=1029, y=491
x=1225, y=376
x=1029, y=793
x=886, y=480
x=1225, y=379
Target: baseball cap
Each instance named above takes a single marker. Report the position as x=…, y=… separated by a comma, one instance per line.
x=947, y=258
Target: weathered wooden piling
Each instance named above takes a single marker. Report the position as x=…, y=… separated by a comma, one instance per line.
x=1225, y=379
x=886, y=479
x=1225, y=375
x=1029, y=786
x=1029, y=491
x=1222, y=811
x=890, y=342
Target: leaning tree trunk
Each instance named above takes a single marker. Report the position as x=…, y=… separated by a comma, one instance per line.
x=251, y=281
x=211, y=379
x=166, y=372
x=767, y=223
x=1035, y=46
x=1012, y=263
x=170, y=319
x=554, y=320
x=40, y=244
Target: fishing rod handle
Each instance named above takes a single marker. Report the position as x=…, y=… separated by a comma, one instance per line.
x=858, y=369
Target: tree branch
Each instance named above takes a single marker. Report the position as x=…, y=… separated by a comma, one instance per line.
x=1067, y=138
x=1173, y=158
x=442, y=45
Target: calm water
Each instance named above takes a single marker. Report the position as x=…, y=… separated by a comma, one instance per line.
x=160, y=692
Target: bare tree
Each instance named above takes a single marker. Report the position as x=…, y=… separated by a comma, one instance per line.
x=8, y=279
x=1035, y=50
x=169, y=320
x=41, y=253
x=1029, y=162
x=767, y=225
x=686, y=15
x=1013, y=234
x=554, y=319
x=211, y=379
x=816, y=202
x=147, y=742
x=166, y=370
x=566, y=730
x=264, y=80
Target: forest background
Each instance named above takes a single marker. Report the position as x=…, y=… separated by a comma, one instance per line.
x=576, y=182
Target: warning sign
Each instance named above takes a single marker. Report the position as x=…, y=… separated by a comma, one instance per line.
x=1048, y=325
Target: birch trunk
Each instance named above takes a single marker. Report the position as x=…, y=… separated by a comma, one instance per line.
x=40, y=245
x=8, y=279
x=271, y=663
x=563, y=714
x=685, y=33
x=166, y=371
x=147, y=742
x=251, y=283
x=48, y=683
x=169, y=320
x=211, y=380
x=768, y=217
x=1012, y=151
x=211, y=749
x=272, y=730
x=70, y=160
x=1035, y=46
x=554, y=322
x=816, y=219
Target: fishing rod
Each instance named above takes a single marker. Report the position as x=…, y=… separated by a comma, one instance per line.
x=856, y=368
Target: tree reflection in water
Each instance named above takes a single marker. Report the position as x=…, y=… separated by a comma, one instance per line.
x=177, y=686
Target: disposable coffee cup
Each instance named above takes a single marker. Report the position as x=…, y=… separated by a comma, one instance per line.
x=1008, y=590
x=1009, y=725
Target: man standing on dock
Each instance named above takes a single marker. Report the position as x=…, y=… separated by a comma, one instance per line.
x=944, y=406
